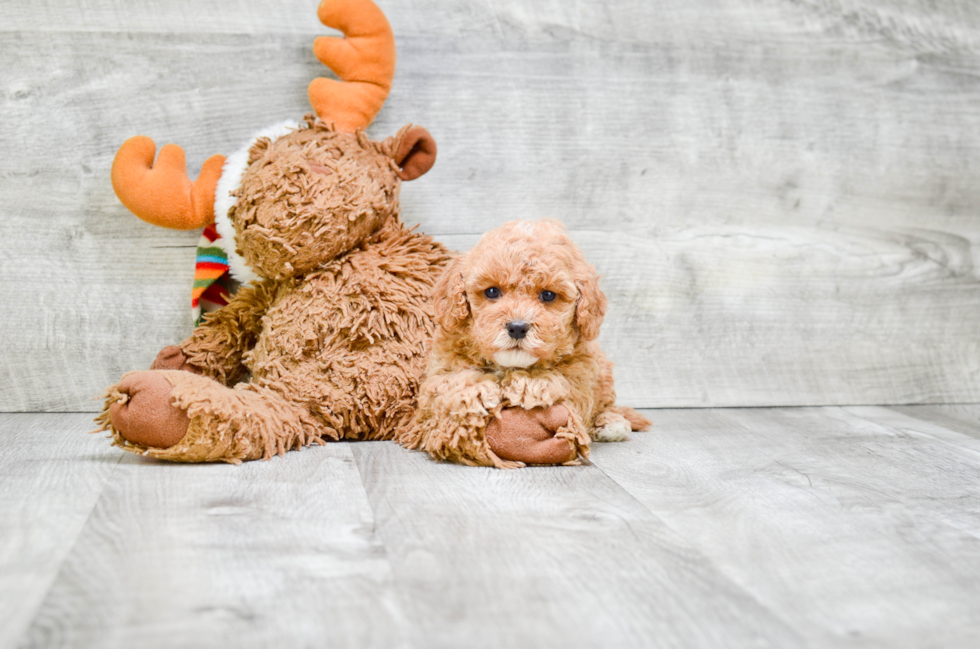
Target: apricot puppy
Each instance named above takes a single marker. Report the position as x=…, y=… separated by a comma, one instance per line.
x=515, y=375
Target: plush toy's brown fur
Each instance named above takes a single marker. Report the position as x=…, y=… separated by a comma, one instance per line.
x=553, y=387
x=332, y=336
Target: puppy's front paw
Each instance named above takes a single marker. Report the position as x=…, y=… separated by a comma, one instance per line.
x=529, y=436
x=612, y=428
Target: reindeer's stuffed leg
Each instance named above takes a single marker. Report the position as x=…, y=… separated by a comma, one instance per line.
x=180, y=416
x=529, y=436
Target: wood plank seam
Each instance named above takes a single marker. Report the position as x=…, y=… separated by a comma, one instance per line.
x=42, y=600
x=404, y=598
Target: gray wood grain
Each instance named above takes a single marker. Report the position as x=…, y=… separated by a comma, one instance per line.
x=816, y=527
x=278, y=553
x=962, y=418
x=857, y=527
x=781, y=195
x=938, y=24
x=547, y=557
x=51, y=476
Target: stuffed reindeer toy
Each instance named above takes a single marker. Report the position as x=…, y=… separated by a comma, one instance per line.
x=326, y=340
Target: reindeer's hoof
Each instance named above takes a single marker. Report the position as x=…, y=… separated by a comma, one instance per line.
x=529, y=436
x=145, y=415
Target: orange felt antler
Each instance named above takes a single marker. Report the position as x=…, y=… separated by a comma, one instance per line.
x=161, y=193
x=364, y=60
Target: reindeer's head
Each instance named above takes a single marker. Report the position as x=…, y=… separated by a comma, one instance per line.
x=297, y=195
x=316, y=192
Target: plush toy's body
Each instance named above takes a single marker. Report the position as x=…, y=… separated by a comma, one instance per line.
x=335, y=354
x=326, y=340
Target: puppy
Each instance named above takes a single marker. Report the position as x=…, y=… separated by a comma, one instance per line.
x=515, y=375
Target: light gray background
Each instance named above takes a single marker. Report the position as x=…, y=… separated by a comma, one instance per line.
x=782, y=196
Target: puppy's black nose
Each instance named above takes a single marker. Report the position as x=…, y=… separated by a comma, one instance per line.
x=517, y=329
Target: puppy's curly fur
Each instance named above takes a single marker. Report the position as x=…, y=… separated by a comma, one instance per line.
x=524, y=272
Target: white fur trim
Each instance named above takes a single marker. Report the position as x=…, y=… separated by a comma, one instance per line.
x=231, y=179
x=514, y=358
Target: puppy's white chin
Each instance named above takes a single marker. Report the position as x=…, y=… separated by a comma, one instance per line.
x=514, y=358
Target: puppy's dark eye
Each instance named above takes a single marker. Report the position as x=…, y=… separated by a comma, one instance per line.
x=493, y=292
x=547, y=296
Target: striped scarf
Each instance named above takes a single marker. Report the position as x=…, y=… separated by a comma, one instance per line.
x=212, y=283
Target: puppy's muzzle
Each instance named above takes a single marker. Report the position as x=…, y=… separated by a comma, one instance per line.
x=517, y=329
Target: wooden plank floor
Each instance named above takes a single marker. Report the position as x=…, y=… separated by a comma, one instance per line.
x=800, y=527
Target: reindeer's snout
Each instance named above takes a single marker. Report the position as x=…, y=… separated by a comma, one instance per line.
x=517, y=329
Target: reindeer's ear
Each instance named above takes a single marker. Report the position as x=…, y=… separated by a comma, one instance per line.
x=416, y=153
x=591, y=306
x=449, y=297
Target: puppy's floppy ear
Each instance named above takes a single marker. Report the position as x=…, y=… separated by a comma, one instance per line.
x=449, y=297
x=591, y=306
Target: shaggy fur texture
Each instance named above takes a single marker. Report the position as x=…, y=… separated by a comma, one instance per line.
x=476, y=370
x=329, y=343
